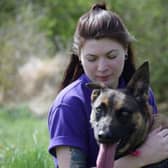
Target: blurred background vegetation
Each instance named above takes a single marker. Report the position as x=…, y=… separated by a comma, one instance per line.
x=42, y=28
x=35, y=41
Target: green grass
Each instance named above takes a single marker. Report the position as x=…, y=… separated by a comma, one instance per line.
x=23, y=139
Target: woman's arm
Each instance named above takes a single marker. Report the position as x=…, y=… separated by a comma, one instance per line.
x=70, y=157
x=154, y=150
x=128, y=162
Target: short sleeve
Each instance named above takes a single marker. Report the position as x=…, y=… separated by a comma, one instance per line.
x=68, y=125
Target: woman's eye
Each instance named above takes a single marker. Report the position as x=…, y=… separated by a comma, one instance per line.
x=111, y=56
x=91, y=58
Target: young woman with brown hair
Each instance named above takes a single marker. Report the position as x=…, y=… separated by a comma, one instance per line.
x=102, y=52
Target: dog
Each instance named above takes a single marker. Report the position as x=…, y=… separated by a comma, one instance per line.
x=122, y=118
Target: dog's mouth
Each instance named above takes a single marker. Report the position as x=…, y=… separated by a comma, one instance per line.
x=107, y=148
x=106, y=155
x=108, y=138
x=108, y=141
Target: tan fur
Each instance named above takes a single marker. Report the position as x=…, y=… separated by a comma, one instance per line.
x=138, y=118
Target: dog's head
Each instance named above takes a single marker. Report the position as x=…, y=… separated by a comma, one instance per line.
x=122, y=114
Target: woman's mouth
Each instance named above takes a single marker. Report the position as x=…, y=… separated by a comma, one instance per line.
x=102, y=78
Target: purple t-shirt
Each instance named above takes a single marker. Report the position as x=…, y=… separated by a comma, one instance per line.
x=69, y=117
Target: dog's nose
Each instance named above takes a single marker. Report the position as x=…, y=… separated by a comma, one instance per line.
x=104, y=135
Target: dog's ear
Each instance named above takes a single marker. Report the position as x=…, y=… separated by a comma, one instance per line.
x=95, y=94
x=97, y=88
x=139, y=83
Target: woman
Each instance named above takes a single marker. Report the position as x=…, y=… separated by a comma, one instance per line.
x=102, y=52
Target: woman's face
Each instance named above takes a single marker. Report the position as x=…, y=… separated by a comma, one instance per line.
x=103, y=60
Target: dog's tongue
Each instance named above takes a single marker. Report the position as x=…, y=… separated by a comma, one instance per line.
x=106, y=155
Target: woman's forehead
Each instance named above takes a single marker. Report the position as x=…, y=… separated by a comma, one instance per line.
x=98, y=46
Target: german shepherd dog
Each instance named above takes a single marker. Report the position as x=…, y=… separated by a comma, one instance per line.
x=123, y=117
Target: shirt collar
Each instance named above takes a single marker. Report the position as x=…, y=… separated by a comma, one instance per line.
x=121, y=84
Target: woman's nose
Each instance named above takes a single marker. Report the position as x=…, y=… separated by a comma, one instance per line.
x=102, y=65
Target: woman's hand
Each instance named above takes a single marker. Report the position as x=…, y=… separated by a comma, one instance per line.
x=155, y=148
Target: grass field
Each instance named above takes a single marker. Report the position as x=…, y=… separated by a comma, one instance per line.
x=23, y=139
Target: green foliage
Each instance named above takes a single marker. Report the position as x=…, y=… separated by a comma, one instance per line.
x=61, y=19
x=24, y=139
x=35, y=157
x=14, y=113
x=7, y=11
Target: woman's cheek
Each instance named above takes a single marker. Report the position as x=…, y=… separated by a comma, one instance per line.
x=118, y=65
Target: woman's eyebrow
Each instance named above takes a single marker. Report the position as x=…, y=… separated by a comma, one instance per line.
x=107, y=53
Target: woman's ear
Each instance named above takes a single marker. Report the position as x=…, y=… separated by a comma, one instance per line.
x=126, y=50
x=126, y=53
x=80, y=60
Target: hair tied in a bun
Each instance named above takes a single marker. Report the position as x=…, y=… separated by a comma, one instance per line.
x=99, y=6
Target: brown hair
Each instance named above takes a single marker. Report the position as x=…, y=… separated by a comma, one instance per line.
x=98, y=23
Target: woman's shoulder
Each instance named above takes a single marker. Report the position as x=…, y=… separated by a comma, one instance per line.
x=76, y=91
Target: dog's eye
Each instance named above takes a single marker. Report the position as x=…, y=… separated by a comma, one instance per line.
x=125, y=112
x=124, y=115
x=101, y=107
x=98, y=116
x=100, y=111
